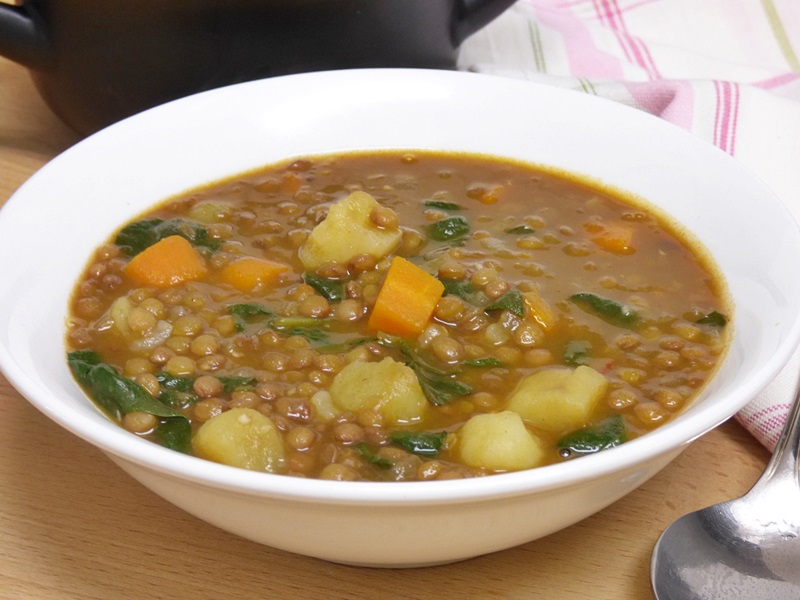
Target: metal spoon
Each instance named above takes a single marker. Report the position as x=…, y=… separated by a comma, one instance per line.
x=742, y=549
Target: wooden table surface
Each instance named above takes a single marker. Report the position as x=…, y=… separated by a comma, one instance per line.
x=74, y=526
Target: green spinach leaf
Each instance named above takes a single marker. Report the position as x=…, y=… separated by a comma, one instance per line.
x=464, y=289
x=307, y=327
x=511, y=301
x=173, y=382
x=372, y=458
x=714, y=318
x=440, y=390
x=484, y=363
x=248, y=313
x=231, y=383
x=142, y=234
x=81, y=363
x=577, y=351
x=421, y=443
x=118, y=396
x=346, y=345
x=520, y=230
x=439, y=387
x=331, y=289
x=609, y=310
x=607, y=434
x=175, y=434
x=314, y=335
x=177, y=399
x=186, y=384
x=449, y=229
x=441, y=205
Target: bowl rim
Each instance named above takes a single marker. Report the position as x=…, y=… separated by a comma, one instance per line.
x=672, y=436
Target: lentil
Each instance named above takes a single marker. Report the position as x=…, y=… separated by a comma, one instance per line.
x=139, y=422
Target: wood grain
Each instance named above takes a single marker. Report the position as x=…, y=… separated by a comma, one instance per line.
x=73, y=526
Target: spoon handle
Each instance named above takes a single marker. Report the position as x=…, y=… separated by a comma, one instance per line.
x=783, y=464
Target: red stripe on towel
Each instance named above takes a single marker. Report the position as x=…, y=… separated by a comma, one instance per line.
x=727, y=115
x=636, y=51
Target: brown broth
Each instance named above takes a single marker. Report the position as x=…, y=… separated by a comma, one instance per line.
x=654, y=366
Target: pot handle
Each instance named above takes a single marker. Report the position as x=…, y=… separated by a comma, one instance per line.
x=22, y=36
x=471, y=15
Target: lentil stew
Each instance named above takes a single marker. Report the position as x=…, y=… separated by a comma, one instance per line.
x=397, y=316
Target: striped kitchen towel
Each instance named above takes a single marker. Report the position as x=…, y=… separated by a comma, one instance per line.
x=728, y=71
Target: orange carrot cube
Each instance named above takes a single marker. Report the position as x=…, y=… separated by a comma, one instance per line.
x=168, y=262
x=248, y=273
x=406, y=300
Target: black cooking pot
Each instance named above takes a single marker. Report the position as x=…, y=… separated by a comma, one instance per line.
x=97, y=61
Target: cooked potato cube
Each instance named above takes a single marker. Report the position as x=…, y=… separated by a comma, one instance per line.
x=500, y=442
x=388, y=387
x=558, y=399
x=324, y=408
x=348, y=231
x=241, y=437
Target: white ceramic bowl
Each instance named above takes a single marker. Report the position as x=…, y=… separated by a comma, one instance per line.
x=50, y=226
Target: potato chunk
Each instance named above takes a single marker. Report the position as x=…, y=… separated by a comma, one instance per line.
x=348, y=231
x=389, y=387
x=241, y=437
x=500, y=442
x=558, y=399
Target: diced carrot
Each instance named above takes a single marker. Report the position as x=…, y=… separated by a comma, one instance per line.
x=488, y=195
x=538, y=309
x=248, y=273
x=406, y=300
x=616, y=239
x=169, y=261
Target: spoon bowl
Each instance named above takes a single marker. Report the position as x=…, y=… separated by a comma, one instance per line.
x=744, y=548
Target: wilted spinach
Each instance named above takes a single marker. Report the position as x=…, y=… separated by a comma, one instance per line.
x=714, y=318
x=449, y=229
x=511, y=301
x=142, y=234
x=421, y=443
x=441, y=205
x=576, y=352
x=118, y=396
x=439, y=387
x=609, y=310
x=331, y=289
x=604, y=435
